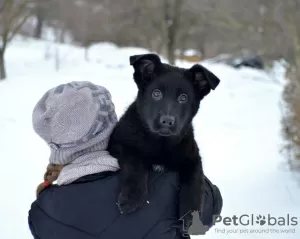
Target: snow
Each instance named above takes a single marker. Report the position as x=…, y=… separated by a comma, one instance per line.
x=237, y=128
x=191, y=52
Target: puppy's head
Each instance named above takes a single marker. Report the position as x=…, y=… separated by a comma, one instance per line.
x=168, y=96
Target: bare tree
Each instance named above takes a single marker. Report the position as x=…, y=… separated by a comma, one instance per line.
x=40, y=19
x=13, y=14
x=291, y=94
x=210, y=26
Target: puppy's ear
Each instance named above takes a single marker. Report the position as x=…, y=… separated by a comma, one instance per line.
x=205, y=78
x=145, y=66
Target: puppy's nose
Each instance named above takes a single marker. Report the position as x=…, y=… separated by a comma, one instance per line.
x=167, y=120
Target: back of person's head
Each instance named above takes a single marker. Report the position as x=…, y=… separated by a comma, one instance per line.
x=73, y=119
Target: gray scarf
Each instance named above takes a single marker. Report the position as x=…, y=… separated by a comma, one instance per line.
x=90, y=163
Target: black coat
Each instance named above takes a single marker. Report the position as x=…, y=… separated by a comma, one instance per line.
x=86, y=209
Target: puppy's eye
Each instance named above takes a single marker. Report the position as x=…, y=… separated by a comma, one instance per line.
x=157, y=94
x=182, y=98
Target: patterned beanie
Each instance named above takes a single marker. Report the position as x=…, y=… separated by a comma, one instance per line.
x=76, y=120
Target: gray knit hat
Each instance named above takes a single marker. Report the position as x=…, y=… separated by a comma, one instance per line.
x=76, y=119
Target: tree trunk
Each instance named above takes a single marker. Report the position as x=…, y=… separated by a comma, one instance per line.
x=86, y=53
x=57, y=59
x=2, y=66
x=171, y=49
x=38, y=28
x=62, y=35
x=202, y=49
x=172, y=20
x=40, y=22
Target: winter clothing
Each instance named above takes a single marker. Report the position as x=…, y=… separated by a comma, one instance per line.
x=76, y=120
x=86, y=209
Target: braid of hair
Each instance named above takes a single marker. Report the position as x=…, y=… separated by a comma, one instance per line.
x=52, y=173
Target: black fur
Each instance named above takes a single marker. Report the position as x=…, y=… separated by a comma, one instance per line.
x=157, y=129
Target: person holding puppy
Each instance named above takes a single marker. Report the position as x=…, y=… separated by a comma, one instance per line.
x=76, y=120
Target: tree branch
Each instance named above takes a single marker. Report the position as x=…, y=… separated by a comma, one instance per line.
x=17, y=28
x=18, y=12
x=11, y=19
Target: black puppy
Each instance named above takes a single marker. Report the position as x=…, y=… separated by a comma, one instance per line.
x=157, y=129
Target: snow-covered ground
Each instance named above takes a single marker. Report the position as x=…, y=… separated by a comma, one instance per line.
x=237, y=128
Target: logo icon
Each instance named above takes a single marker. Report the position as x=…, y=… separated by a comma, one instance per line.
x=261, y=220
x=192, y=224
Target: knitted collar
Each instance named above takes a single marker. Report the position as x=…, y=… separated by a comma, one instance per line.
x=87, y=164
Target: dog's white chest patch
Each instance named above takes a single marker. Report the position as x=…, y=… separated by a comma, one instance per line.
x=158, y=168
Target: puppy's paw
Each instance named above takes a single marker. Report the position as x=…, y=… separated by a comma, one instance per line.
x=130, y=202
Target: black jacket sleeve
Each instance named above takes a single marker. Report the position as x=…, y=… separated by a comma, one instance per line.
x=31, y=227
x=212, y=207
x=213, y=203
